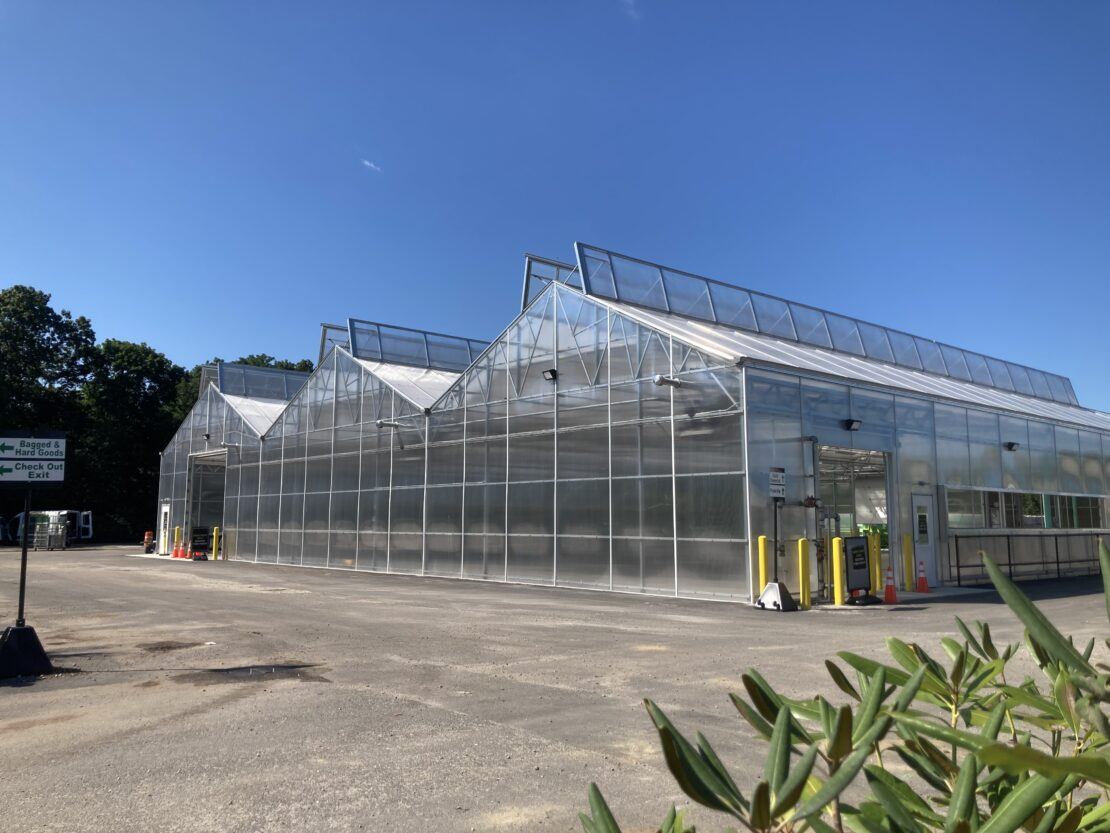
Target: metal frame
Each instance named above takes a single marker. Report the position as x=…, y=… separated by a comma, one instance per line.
x=585, y=250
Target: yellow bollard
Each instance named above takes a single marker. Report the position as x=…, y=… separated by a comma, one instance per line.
x=838, y=570
x=803, y=574
x=215, y=543
x=907, y=563
x=762, y=563
x=874, y=559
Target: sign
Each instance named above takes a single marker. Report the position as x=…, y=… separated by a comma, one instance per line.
x=32, y=460
x=776, y=479
x=857, y=570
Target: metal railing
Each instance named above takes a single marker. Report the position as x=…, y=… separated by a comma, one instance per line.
x=1024, y=556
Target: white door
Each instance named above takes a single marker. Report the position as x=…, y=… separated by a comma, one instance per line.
x=164, y=531
x=84, y=526
x=924, y=537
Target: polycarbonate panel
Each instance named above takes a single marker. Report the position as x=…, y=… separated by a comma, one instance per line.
x=583, y=562
x=713, y=569
x=443, y=555
x=955, y=362
x=644, y=565
x=372, y=548
x=315, y=549
x=598, y=273
x=876, y=413
x=1016, y=470
x=341, y=552
x=845, y=334
x=531, y=559
x=733, y=307
x=825, y=407
x=1042, y=457
x=406, y=552
x=984, y=449
x=1020, y=377
x=583, y=508
x=875, y=342
x=419, y=348
x=1000, y=374
x=1067, y=458
x=484, y=557
x=289, y=547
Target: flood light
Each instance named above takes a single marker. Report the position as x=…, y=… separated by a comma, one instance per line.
x=1012, y=446
x=852, y=424
x=660, y=380
x=551, y=374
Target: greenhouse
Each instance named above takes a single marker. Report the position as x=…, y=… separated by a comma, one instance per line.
x=630, y=431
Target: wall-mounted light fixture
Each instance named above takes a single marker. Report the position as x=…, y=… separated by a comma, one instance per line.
x=1011, y=445
x=207, y=436
x=551, y=374
x=660, y=380
x=852, y=424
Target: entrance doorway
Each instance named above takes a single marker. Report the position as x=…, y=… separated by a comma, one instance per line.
x=854, y=487
x=924, y=536
x=205, y=508
x=164, y=530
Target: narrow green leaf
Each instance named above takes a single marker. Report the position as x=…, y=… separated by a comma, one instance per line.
x=1070, y=822
x=709, y=755
x=1038, y=625
x=870, y=705
x=840, y=745
x=906, y=794
x=693, y=775
x=923, y=766
x=752, y=716
x=761, y=806
x=957, y=737
x=777, y=762
x=951, y=647
x=845, y=774
x=841, y=680
x=791, y=790
x=970, y=637
x=895, y=811
x=1019, y=759
x=1021, y=803
x=602, y=821
x=961, y=805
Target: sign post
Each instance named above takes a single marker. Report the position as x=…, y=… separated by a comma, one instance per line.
x=775, y=596
x=27, y=460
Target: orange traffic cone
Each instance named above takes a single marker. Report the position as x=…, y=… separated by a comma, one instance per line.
x=890, y=595
x=922, y=582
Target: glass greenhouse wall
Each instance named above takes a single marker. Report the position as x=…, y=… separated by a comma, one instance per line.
x=603, y=442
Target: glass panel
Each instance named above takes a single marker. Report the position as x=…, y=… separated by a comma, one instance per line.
x=733, y=307
x=931, y=358
x=905, y=352
x=810, y=326
x=1040, y=383
x=999, y=374
x=599, y=275
x=639, y=283
x=1057, y=385
x=845, y=334
x=1020, y=377
x=773, y=316
x=688, y=295
x=1016, y=473
x=978, y=366
x=955, y=362
x=875, y=342
x=1067, y=455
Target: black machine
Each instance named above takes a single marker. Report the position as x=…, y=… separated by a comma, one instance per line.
x=200, y=544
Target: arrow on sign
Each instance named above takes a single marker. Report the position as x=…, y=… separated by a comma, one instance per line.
x=5, y=470
x=5, y=447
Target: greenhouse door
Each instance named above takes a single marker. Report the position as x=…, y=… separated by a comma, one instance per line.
x=206, y=492
x=924, y=537
x=164, y=530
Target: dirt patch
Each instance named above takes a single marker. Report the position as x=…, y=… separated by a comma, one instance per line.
x=168, y=645
x=253, y=674
x=148, y=684
x=16, y=725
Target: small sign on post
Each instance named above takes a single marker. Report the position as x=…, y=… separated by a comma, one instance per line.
x=776, y=479
x=27, y=460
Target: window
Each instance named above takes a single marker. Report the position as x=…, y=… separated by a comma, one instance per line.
x=1088, y=513
x=965, y=509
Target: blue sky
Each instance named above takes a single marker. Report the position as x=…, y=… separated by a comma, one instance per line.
x=197, y=175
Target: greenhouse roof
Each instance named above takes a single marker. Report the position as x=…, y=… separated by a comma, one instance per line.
x=631, y=281
x=420, y=385
x=417, y=348
x=258, y=413
x=738, y=346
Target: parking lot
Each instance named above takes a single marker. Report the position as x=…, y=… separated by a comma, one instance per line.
x=398, y=703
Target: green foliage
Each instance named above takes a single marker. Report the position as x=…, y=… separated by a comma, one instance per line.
x=118, y=402
x=980, y=754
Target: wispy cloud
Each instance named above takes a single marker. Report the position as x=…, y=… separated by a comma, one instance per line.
x=375, y=167
x=630, y=8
